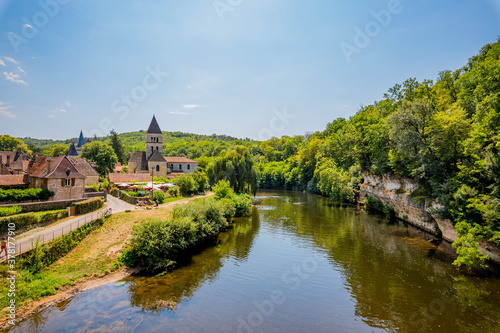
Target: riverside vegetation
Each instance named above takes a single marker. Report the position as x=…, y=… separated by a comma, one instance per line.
x=442, y=134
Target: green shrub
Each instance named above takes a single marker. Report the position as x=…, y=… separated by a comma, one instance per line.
x=174, y=191
x=160, y=196
x=378, y=205
x=96, y=187
x=8, y=211
x=186, y=183
x=25, y=195
x=132, y=193
x=126, y=197
x=467, y=246
x=223, y=189
x=158, y=244
x=88, y=205
x=243, y=204
x=26, y=220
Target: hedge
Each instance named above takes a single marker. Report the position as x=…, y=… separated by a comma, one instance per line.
x=26, y=220
x=25, y=195
x=88, y=205
x=8, y=211
x=49, y=253
x=126, y=197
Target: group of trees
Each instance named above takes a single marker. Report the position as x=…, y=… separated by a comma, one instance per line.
x=444, y=135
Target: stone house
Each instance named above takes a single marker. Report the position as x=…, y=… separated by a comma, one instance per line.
x=58, y=175
x=181, y=164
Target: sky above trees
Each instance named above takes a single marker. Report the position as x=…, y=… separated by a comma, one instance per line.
x=237, y=67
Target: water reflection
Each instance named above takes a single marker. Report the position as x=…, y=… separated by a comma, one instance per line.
x=368, y=274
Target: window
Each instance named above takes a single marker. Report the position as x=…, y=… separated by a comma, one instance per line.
x=156, y=148
x=157, y=168
x=67, y=182
x=151, y=150
x=189, y=166
x=180, y=166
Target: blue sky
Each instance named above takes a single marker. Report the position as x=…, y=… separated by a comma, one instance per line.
x=247, y=68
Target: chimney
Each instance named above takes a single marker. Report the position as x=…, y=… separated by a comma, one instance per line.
x=47, y=161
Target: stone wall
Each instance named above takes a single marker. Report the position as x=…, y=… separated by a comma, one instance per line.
x=395, y=192
x=66, y=192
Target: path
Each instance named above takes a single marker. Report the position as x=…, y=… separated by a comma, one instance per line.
x=114, y=204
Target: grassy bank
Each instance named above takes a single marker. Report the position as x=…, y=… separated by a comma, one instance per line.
x=95, y=256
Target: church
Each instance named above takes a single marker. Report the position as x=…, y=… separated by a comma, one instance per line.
x=153, y=162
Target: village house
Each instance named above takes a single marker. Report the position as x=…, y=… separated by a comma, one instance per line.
x=58, y=175
x=13, y=163
x=153, y=162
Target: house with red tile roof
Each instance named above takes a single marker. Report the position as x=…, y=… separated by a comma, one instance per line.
x=58, y=175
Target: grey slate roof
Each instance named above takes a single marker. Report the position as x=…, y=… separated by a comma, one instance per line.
x=154, y=128
x=72, y=150
x=81, y=141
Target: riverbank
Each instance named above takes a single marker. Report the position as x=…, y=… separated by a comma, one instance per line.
x=92, y=263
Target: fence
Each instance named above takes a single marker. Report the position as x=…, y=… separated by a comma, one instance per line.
x=51, y=235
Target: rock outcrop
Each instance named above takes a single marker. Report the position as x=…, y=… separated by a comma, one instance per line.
x=395, y=192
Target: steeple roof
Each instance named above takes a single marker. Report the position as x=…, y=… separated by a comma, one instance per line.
x=72, y=150
x=81, y=141
x=154, y=128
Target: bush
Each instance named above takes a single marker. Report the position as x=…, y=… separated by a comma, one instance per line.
x=25, y=195
x=114, y=191
x=96, y=187
x=160, y=196
x=158, y=244
x=186, y=183
x=467, y=246
x=126, y=197
x=173, y=191
x=8, y=211
x=26, y=220
x=378, y=205
x=223, y=189
x=88, y=206
x=243, y=205
x=132, y=193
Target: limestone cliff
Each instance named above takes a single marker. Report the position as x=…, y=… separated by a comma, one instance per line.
x=395, y=192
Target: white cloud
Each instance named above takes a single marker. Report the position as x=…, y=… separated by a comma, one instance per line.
x=51, y=115
x=190, y=106
x=2, y=63
x=56, y=111
x=179, y=112
x=67, y=103
x=9, y=59
x=21, y=70
x=28, y=26
x=4, y=112
x=14, y=78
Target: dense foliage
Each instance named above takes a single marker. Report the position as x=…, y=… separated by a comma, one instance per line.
x=102, y=155
x=444, y=135
x=28, y=220
x=8, y=211
x=16, y=195
x=157, y=245
x=237, y=167
x=89, y=205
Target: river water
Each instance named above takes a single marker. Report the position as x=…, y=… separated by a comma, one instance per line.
x=301, y=263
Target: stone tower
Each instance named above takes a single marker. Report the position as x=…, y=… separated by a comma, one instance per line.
x=154, y=139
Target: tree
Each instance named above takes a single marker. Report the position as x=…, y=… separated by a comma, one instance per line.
x=118, y=147
x=236, y=166
x=9, y=143
x=186, y=183
x=102, y=155
x=58, y=150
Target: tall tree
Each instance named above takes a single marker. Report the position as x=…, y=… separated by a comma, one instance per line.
x=236, y=166
x=102, y=155
x=118, y=147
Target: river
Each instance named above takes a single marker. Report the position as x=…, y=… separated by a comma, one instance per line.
x=301, y=263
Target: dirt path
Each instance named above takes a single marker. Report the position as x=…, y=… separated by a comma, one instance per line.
x=89, y=265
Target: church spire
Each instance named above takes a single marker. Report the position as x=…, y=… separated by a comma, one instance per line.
x=81, y=141
x=154, y=128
